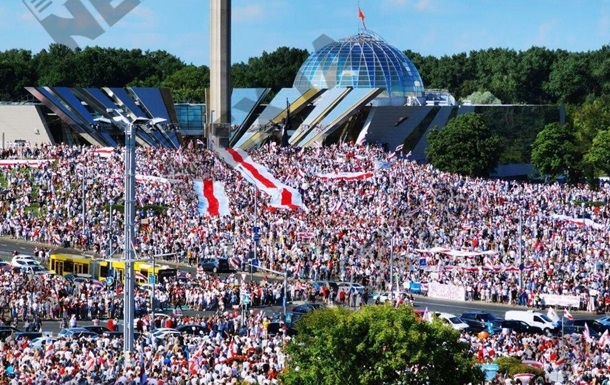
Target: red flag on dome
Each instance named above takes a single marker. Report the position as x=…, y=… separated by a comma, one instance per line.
x=361, y=17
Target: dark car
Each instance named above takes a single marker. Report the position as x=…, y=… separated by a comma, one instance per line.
x=96, y=329
x=306, y=308
x=520, y=327
x=29, y=335
x=596, y=329
x=216, y=265
x=7, y=331
x=478, y=321
x=192, y=329
x=275, y=328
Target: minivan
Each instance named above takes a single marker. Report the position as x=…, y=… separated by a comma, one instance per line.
x=533, y=318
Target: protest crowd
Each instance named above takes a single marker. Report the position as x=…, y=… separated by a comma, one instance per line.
x=364, y=209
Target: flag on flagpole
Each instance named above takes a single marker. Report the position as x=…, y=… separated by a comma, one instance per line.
x=568, y=315
x=361, y=17
x=586, y=333
x=286, y=125
x=604, y=339
x=426, y=316
x=552, y=314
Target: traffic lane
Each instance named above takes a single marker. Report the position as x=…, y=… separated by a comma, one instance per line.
x=457, y=308
x=53, y=326
x=7, y=246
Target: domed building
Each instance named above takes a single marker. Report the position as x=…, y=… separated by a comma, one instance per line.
x=364, y=60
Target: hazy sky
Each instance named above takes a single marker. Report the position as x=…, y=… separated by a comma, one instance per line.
x=429, y=27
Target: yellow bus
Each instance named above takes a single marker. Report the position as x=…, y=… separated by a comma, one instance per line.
x=63, y=263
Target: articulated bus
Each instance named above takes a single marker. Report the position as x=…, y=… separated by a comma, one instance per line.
x=62, y=263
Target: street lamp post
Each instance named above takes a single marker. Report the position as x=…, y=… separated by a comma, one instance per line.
x=84, y=188
x=110, y=228
x=210, y=126
x=520, y=249
x=391, y=266
x=130, y=198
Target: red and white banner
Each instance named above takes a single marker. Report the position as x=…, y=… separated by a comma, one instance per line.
x=282, y=196
x=104, y=152
x=346, y=175
x=7, y=163
x=287, y=198
x=252, y=171
x=150, y=178
x=213, y=200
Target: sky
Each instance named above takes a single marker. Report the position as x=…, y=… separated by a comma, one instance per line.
x=428, y=27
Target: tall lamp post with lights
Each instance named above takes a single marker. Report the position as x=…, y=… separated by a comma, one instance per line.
x=131, y=127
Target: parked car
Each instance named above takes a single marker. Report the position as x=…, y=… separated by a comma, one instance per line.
x=96, y=329
x=191, y=329
x=347, y=286
x=478, y=321
x=306, y=308
x=24, y=257
x=7, y=331
x=534, y=318
x=596, y=328
x=162, y=333
x=29, y=335
x=216, y=265
x=452, y=320
x=21, y=263
x=520, y=327
x=41, y=342
x=77, y=332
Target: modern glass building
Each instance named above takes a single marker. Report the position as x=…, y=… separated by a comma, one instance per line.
x=364, y=60
x=191, y=118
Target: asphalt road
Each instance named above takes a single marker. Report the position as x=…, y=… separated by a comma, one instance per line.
x=7, y=246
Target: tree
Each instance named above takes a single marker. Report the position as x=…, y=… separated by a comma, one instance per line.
x=465, y=146
x=188, y=84
x=376, y=345
x=599, y=153
x=486, y=97
x=555, y=151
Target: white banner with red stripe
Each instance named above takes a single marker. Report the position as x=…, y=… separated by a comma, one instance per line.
x=346, y=175
x=104, y=152
x=287, y=198
x=252, y=171
x=6, y=163
x=282, y=196
x=212, y=198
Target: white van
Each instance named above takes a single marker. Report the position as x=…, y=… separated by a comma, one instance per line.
x=533, y=318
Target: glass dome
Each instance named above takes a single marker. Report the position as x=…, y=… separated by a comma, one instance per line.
x=364, y=60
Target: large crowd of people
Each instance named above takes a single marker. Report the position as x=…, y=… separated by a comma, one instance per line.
x=532, y=239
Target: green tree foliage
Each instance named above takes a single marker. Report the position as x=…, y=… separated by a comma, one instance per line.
x=535, y=76
x=486, y=97
x=555, y=151
x=376, y=345
x=188, y=84
x=273, y=70
x=465, y=146
x=599, y=153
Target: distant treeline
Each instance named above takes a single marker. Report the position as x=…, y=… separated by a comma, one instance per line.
x=535, y=76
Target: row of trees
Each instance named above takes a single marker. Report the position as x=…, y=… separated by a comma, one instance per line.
x=578, y=150
x=535, y=76
x=111, y=67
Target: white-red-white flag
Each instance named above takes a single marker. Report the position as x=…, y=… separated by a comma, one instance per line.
x=212, y=198
x=346, y=176
x=253, y=172
x=604, y=339
x=287, y=198
x=567, y=314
